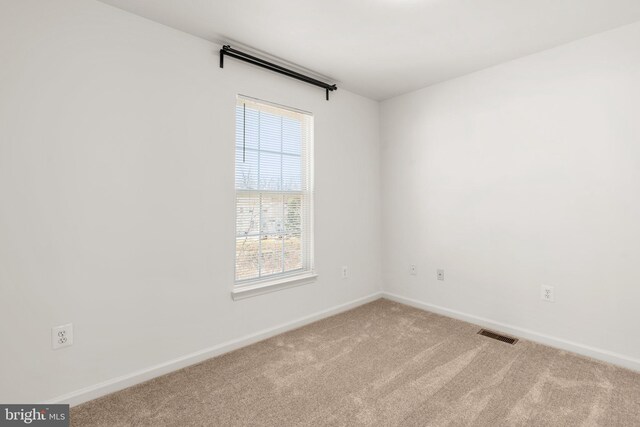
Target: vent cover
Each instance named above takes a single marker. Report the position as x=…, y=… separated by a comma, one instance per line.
x=497, y=336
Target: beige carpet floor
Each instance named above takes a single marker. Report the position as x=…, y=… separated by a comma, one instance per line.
x=381, y=364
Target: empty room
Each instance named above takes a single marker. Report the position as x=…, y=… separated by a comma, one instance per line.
x=319, y=213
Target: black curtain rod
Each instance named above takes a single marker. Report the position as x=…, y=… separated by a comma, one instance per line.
x=229, y=51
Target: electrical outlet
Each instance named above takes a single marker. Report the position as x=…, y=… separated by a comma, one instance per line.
x=440, y=274
x=62, y=336
x=546, y=293
x=345, y=272
x=413, y=270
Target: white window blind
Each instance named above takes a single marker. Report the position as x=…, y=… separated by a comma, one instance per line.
x=274, y=192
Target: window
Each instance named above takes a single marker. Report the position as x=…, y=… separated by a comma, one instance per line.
x=274, y=196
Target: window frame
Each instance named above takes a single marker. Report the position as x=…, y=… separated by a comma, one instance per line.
x=245, y=288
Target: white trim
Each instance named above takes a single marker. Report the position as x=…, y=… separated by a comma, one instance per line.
x=110, y=386
x=584, y=350
x=247, y=291
x=273, y=104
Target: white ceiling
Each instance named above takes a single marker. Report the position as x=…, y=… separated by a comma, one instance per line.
x=382, y=48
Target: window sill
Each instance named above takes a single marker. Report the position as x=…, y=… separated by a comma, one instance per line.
x=279, y=284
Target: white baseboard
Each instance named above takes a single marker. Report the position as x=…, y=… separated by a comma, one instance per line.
x=584, y=350
x=110, y=386
x=101, y=389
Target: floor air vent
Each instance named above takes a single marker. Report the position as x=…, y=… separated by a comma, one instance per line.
x=498, y=337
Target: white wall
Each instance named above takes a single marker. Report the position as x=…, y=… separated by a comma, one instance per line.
x=524, y=174
x=117, y=196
